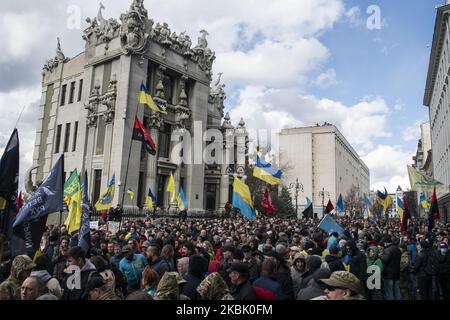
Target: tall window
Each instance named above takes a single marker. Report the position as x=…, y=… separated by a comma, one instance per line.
x=168, y=82
x=63, y=94
x=161, y=190
x=106, y=76
x=75, y=133
x=72, y=92
x=67, y=138
x=101, y=128
x=211, y=191
x=164, y=141
x=58, y=138
x=97, y=184
x=80, y=90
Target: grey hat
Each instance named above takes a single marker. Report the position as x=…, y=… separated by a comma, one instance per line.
x=146, y=244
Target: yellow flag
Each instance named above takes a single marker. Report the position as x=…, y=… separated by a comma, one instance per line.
x=171, y=189
x=73, y=221
x=131, y=193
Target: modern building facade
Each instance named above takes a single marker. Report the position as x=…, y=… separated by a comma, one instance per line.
x=437, y=99
x=89, y=104
x=324, y=162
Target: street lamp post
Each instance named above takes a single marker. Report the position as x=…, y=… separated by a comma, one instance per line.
x=322, y=194
x=298, y=186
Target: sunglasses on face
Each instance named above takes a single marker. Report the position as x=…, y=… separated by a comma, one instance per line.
x=332, y=289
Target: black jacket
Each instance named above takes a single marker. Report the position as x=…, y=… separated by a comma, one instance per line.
x=307, y=277
x=253, y=269
x=391, y=261
x=285, y=280
x=424, y=263
x=198, y=266
x=87, y=272
x=441, y=263
x=243, y=292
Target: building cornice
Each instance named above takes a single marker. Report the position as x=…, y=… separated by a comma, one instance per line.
x=438, y=40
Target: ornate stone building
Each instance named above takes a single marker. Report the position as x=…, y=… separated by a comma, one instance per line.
x=89, y=103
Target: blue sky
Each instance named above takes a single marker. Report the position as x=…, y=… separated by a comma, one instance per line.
x=296, y=61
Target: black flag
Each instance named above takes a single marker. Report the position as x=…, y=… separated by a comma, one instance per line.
x=9, y=183
x=48, y=198
x=434, y=211
x=308, y=212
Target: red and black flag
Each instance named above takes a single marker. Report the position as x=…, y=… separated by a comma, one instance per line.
x=406, y=216
x=140, y=134
x=329, y=207
x=267, y=203
x=434, y=211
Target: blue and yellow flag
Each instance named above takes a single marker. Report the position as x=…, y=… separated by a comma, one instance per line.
x=400, y=208
x=424, y=201
x=181, y=199
x=151, y=199
x=340, y=204
x=146, y=98
x=105, y=201
x=267, y=172
x=242, y=199
x=367, y=211
x=384, y=199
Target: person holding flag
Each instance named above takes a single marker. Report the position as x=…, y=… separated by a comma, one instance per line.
x=105, y=201
x=405, y=217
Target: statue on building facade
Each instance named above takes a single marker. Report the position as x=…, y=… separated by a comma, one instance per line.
x=136, y=29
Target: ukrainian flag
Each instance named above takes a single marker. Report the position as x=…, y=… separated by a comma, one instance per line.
x=424, y=201
x=105, y=201
x=146, y=98
x=266, y=172
x=151, y=199
x=181, y=199
x=242, y=199
x=400, y=208
x=384, y=199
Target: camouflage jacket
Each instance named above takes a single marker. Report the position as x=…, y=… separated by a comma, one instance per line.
x=10, y=289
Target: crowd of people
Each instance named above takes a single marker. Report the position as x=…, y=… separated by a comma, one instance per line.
x=235, y=259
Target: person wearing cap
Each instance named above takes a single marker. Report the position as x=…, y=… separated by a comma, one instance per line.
x=442, y=264
x=20, y=270
x=241, y=288
x=97, y=289
x=227, y=254
x=342, y=285
x=132, y=266
x=284, y=272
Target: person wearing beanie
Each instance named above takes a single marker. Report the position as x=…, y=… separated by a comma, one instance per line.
x=313, y=264
x=198, y=267
x=40, y=271
x=316, y=287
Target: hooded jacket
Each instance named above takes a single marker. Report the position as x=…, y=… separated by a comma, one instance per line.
x=356, y=260
x=168, y=287
x=86, y=272
x=213, y=287
x=391, y=261
x=375, y=261
x=10, y=288
x=198, y=266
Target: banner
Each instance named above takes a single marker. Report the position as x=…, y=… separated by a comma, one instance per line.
x=93, y=225
x=422, y=183
x=113, y=227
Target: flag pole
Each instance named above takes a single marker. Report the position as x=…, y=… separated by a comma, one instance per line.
x=20, y=116
x=129, y=155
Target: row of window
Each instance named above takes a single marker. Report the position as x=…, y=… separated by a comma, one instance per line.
x=67, y=130
x=71, y=92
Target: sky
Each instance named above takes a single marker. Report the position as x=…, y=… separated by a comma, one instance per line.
x=360, y=65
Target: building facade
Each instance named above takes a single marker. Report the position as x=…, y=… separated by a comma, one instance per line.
x=89, y=104
x=324, y=162
x=437, y=99
x=423, y=152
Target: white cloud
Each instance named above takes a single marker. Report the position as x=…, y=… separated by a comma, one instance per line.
x=279, y=108
x=388, y=167
x=19, y=39
x=412, y=132
x=326, y=79
x=354, y=17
